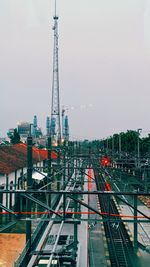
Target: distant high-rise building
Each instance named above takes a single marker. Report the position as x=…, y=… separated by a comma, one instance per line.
x=48, y=124
x=66, y=126
x=38, y=132
x=34, y=125
x=23, y=129
x=35, y=130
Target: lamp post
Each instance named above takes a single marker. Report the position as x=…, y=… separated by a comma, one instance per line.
x=120, y=145
x=107, y=145
x=138, y=147
x=149, y=150
x=112, y=145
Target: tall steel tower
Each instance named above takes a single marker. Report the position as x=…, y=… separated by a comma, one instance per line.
x=55, y=107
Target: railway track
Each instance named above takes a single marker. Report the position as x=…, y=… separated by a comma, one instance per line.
x=49, y=250
x=121, y=251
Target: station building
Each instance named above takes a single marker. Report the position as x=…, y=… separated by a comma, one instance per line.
x=13, y=169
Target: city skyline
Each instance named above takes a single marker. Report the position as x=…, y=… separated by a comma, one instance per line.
x=104, y=58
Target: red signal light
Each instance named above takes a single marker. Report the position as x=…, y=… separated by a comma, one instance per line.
x=107, y=186
x=105, y=161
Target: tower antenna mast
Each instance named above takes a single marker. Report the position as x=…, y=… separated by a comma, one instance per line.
x=55, y=107
x=55, y=7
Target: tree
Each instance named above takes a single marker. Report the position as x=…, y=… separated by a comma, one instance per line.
x=15, y=138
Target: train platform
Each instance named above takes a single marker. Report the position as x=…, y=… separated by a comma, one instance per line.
x=143, y=228
x=98, y=254
x=143, y=233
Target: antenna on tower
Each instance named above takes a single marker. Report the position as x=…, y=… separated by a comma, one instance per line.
x=55, y=7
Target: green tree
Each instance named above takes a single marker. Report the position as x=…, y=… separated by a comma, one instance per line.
x=15, y=138
x=144, y=145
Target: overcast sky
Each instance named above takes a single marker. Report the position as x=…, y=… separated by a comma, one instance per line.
x=104, y=52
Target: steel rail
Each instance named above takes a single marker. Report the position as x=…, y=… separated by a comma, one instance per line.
x=119, y=244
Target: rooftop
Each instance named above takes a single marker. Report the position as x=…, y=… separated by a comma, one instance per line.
x=14, y=157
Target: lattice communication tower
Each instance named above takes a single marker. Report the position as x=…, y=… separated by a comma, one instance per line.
x=55, y=131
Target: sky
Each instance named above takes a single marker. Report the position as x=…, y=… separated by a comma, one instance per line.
x=104, y=63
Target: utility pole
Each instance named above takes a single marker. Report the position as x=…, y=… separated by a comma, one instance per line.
x=113, y=145
x=55, y=107
x=49, y=170
x=107, y=145
x=29, y=186
x=119, y=146
x=63, y=130
x=64, y=164
x=149, y=150
x=138, y=147
x=149, y=156
x=135, y=225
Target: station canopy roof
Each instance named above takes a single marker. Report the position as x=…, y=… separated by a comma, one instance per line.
x=38, y=176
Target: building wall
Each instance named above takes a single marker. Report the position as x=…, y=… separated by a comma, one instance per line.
x=13, y=181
